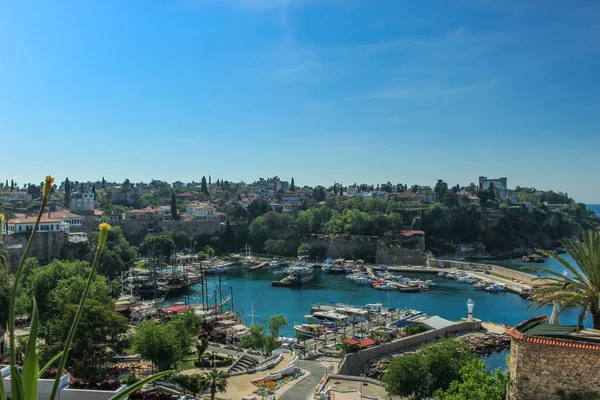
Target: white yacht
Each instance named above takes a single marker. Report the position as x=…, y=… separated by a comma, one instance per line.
x=327, y=317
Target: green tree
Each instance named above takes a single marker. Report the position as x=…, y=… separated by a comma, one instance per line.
x=5, y=286
x=450, y=199
x=432, y=368
x=476, y=383
x=255, y=338
x=157, y=343
x=203, y=187
x=258, y=232
x=303, y=250
x=186, y=326
x=214, y=381
x=174, y=207
x=275, y=247
x=67, y=193
x=201, y=346
x=258, y=207
x=581, y=286
x=407, y=376
x=162, y=244
x=58, y=284
x=191, y=383
x=292, y=185
x=276, y=322
x=101, y=334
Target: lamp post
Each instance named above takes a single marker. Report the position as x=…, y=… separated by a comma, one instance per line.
x=362, y=376
x=470, y=305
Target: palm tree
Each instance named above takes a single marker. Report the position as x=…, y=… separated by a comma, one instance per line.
x=215, y=381
x=580, y=286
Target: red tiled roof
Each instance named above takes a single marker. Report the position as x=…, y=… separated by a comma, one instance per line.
x=411, y=233
x=187, y=194
x=62, y=214
x=31, y=220
x=176, y=309
x=516, y=334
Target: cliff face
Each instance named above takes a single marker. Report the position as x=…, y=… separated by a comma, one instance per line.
x=506, y=231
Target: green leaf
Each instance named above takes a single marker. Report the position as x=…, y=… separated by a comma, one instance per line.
x=2, y=394
x=18, y=387
x=138, y=385
x=31, y=367
x=49, y=364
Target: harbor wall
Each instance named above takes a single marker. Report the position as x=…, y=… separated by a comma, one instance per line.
x=136, y=229
x=350, y=249
x=399, y=256
x=353, y=363
x=546, y=371
x=497, y=270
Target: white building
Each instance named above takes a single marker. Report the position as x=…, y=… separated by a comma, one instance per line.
x=26, y=224
x=200, y=210
x=14, y=196
x=266, y=187
x=83, y=202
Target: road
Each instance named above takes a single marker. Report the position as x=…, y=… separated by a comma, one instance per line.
x=305, y=388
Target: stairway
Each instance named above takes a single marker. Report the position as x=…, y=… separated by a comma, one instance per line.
x=244, y=363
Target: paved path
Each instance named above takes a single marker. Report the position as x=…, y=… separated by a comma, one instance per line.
x=305, y=388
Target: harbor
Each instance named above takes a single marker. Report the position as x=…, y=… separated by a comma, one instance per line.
x=253, y=289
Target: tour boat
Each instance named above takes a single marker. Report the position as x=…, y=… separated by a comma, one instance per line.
x=309, y=331
x=298, y=275
x=373, y=307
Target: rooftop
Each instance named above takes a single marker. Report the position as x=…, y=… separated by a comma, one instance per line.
x=538, y=330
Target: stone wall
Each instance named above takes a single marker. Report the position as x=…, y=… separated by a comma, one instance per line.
x=542, y=371
x=137, y=229
x=46, y=246
x=399, y=256
x=340, y=248
x=353, y=362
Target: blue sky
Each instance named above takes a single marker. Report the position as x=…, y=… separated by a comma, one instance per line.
x=330, y=90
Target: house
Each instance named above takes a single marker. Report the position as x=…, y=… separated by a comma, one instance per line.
x=83, y=202
x=247, y=199
x=408, y=199
x=187, y=196
x=14, y=196
x=293, y=197
x=360, y=344
x=200, y=210
x=24, y=223
x=124, y=196
x=67, y=217
x=145, y=213
x=428, y=196
x=500, y=186
x=266, y=188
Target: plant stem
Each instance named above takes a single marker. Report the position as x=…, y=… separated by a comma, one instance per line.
x=63, y=359
x=13, y=298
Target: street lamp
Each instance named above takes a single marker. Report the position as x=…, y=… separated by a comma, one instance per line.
x=470, y=305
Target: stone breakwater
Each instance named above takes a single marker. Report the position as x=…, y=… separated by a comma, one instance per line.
x=484, y=345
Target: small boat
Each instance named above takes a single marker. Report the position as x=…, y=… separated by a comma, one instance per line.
x=495, y=288
x=373, y=307
x=480, y=285
x=327, y=265
x=355, y=315
x=274, y=263
x=424, y=288
x=409, y=289
x=442, y=273
x=337, y=268
x=383, y=286
x=299, y=275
